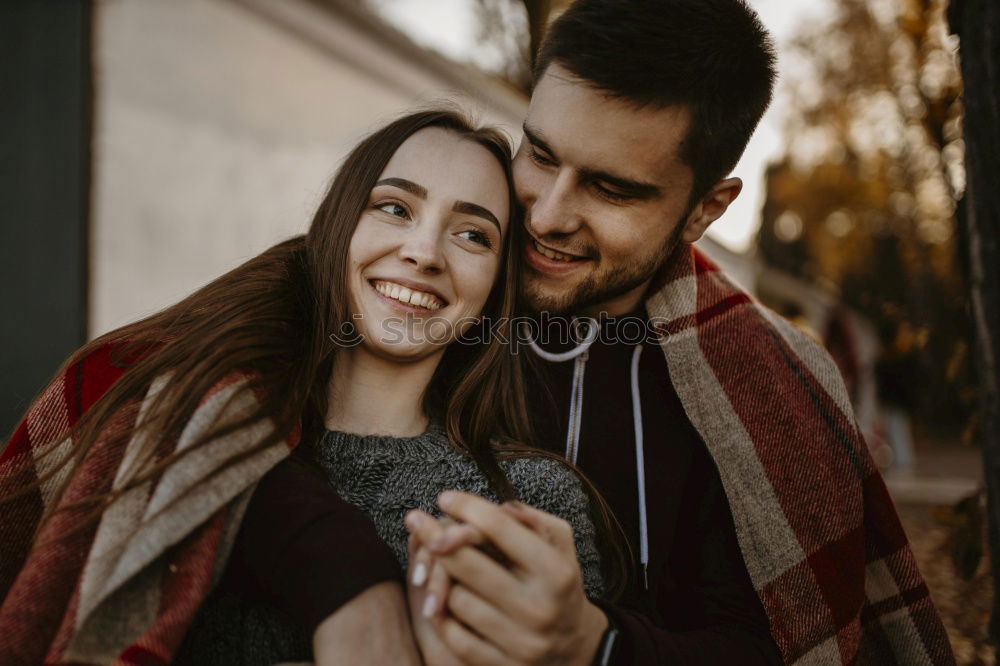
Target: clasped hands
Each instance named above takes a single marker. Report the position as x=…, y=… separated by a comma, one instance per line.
x=497, y=585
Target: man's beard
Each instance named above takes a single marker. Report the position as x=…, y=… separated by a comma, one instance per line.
x=604, y=287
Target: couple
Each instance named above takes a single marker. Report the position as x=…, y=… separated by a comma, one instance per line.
x=701, y=497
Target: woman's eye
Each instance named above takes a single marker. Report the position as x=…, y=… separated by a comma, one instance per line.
x=394, y=209
x=477, y=237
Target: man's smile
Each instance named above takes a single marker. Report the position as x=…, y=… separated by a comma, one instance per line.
x=545, y=259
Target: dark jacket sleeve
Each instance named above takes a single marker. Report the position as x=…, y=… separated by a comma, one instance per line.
x=304, y=549
x=710, y=612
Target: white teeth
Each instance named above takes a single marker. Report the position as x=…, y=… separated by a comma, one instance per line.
x=408, y=296
x=552, y=254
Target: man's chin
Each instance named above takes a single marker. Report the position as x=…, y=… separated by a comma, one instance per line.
x=534, y=306
x=536, y=299
x=591, y=295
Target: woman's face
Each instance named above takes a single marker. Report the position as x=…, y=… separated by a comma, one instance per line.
x=428, y=246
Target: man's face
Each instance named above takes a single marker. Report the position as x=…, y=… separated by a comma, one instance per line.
x=605, y=193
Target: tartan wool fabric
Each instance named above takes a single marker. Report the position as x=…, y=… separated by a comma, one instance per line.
x=818, y=532
x=125, y=590
x=817, y=529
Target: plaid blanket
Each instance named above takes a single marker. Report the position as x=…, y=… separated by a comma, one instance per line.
x=817, y=529
x=125, y=590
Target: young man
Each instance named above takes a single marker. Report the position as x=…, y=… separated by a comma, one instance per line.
x=763, y=533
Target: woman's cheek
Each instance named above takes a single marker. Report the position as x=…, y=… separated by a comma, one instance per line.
x=484, y=280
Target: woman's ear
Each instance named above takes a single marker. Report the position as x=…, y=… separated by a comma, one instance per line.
x=710, y=208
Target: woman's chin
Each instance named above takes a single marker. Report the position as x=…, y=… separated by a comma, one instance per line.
x=402, y=351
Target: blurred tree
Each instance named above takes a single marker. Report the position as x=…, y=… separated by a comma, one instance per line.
x=511, y=30
x=864, y=198
x=505, y=22
x=977, y=22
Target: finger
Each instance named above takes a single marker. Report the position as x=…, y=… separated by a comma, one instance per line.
x=468, y=647
x=488, y=579
x=518, y=543
x=516, y=509
x=422, y=525
x=489, y=622
x=551, y=528
x=420, y=566
x=438, y=588
x=452, y=538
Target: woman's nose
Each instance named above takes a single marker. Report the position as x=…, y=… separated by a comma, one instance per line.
x=422, y=249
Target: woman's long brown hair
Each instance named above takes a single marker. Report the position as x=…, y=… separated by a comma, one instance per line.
x=276, y=317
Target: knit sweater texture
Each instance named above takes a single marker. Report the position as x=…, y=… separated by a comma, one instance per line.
x=386, y=477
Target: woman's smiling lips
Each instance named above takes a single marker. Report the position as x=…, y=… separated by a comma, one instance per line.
x=407, y=295
x=546, y=260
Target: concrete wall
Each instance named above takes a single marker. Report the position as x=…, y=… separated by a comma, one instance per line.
x=218, y=124
x=44, y=185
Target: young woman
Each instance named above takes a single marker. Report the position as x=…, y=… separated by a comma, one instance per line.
x=155, y=468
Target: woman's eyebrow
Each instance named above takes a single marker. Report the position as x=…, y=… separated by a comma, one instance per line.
x=477, y=210
x=459, y=207
x=403, y=184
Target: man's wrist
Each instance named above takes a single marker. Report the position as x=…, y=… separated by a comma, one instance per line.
x=595, y=623
x=609, y=646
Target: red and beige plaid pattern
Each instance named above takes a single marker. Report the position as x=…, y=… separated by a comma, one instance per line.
x=818, y=531
x=125, y=590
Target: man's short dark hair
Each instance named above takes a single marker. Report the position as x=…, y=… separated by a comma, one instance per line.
x=712, y=56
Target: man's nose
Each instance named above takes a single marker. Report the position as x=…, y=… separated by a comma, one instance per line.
x=555, y=209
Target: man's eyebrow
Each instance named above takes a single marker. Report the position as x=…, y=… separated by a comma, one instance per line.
x=403, y=184
x=535, y=138
x=628, y=187
x=477, y=210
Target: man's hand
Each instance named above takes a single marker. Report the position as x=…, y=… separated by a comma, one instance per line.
x=531, y=610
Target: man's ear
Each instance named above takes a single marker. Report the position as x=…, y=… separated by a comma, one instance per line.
x=710, y=208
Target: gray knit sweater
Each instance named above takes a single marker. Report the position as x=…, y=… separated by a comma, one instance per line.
x=388, y=476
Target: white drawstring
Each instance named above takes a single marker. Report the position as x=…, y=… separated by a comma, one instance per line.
x=579, y=355
x=640, y=467
x=576, y=408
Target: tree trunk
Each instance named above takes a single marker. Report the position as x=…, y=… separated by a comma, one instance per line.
x=538, y=18
x=977, y=23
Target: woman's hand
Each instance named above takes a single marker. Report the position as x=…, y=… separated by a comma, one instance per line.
x=528, y=607
x=350, y=636
x=427, y=584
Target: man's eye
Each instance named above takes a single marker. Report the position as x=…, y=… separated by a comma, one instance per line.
x=539, y=158
x=612, y=195
x=477, y=237
x=394, y=209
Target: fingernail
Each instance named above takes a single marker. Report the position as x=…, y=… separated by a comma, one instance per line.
x=430, y=604
x=419, y=574
x=412, y=520
x=445, y=499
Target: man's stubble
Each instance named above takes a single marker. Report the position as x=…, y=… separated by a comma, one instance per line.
x=603, y=287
